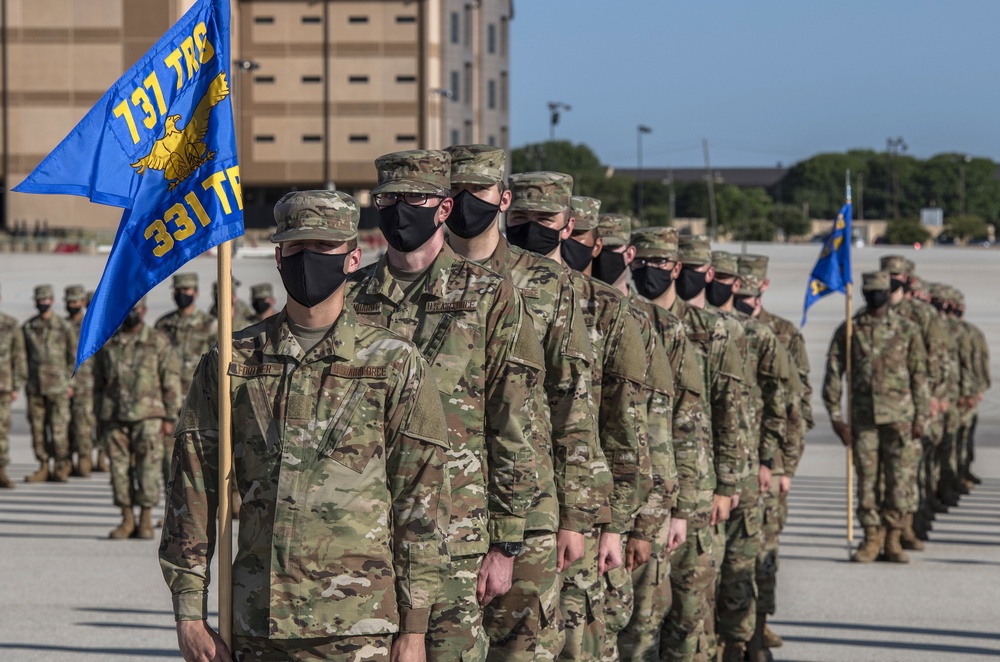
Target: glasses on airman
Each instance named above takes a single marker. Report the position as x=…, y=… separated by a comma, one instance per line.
x=412, y=199
x=655, y=262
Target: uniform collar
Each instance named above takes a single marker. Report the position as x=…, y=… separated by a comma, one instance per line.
x=340, y=340
x=435, y=284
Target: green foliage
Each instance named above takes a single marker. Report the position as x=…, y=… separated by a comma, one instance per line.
x=756, y=229
x=966, y=227
x=790, y=219
x=906, y=231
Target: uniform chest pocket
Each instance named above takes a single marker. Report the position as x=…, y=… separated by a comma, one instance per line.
x=256, y=438
x=452, y=344
x=350, y=440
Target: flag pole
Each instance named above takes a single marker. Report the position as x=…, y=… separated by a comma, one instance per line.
x=224, y=537
x=847, y=365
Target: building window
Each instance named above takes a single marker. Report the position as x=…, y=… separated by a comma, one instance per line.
x=357, y=79
x=406, y=138
x=406, y=79
x=468, y=131
x=263, y=139
x=358, y=138
x=454, y=86
x=468, y=83
x=454, y=27
x=468, y=26
x=263, y=79
x=312, y=138
x=503, y=36
x=312, y=79
x=312, y=20
x=491, y=94
x=503, y=137
x=491, y=141
x=357, y=19
x=455, y=139
x=504, y=101
x=406, y=19
x=263, y=20
x=491, y=38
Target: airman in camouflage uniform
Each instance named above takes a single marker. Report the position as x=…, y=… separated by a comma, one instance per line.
x=243, y=315
x=13, y=374
x=81, y=427
x=192, y=333
x=471, y=325
x=573, y=478
x=51, y=350
x=957, y=388
x=136, y=400
x=542, y=207
x=262, y=301
x=979, y=367
x=889, y=405
x=340, y=455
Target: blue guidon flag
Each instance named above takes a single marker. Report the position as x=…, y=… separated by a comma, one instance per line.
x=162, y=145
x=832, y=272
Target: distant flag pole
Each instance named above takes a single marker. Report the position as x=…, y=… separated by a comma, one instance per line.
x=161, y=144
x=849, y=322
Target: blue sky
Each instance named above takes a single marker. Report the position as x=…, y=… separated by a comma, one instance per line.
x=763, y=80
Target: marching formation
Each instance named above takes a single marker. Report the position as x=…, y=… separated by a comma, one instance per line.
x=566, y=439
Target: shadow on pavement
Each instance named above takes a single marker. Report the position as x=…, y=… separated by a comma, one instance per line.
x=900, y=629
x=129, y=652
x=131, y=626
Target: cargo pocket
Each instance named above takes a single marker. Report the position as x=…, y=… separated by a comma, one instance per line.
x=618, y=599
x=256, y=442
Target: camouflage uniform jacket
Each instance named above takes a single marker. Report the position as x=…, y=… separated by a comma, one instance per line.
x=191, y=335
x=243, y=315
x=771, y=367
x=470, y=324
x=13, y=362
x=749, y=413
x=722, y=370
x=619, y=390
x=657, y=486
x=951, y=390
x=83, y=380
x=889, y=382
x=927, y=320
x=981, y=357
x=968, y=381
x=136, y=377
x=51, y=350
x=340, y=460
x=791, y=338
x=799, y=397
x=692, y=425
x=573, y=479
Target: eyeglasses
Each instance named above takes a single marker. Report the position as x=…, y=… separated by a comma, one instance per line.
x=412, y=199
x=656, y=263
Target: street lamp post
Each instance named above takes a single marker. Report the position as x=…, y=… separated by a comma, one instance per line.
x=961, y=188
x=640, y=130
x=895, y=147
x=555, y=109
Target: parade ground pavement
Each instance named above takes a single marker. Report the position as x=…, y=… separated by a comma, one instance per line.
x=69, y=593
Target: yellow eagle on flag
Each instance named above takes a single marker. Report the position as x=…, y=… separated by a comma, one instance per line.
x=182, y=151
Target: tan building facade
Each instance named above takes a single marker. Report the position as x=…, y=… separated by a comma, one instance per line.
x=321, y=87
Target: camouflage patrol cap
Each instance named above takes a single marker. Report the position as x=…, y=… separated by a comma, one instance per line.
x=749, y=286
x=76, y=293
x=541, y=191
x=586, y=212
x=261, y=291
x=725, y=263
x=695, y=249
x=874, y=281
x=911, y=267
x=477, y=164
x=44, y=292
x=894, y=264
x=755, y=265
x=614, y=229
x=655, y=242
x=321, y=215
x=918, y=284
x=185, y=280
x=414, y=171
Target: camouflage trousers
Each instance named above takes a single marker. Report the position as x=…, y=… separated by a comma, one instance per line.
x=619, y=604
x=524, y=624
x=689, y=623
x=48, y=418
x=736, y=594
x=946, y=455
x=766, y=573
x=366, y=648
x=4, y=429
x=135, y=451
x=965, y=452
x=81, y=426
x=582, y=605
x=892, y=448
x=455, y=632
x=640, y=638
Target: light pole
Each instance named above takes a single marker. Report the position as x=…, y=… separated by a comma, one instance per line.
x=639, y=131
x=555, y=107
x=895, y=147
x=961, y=188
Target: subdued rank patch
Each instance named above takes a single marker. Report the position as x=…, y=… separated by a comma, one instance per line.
x=530, y=292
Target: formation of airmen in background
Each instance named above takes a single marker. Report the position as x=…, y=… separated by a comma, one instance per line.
x=605, y=474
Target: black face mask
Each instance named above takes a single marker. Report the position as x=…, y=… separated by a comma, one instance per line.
x=310, y=278
x=576, y=255
x=940, y=306
x=406, y=227
x=471, y=216
x=718, y=294
x=73, y=310
x=690, y=284
x=260, y=305
x=895, y=285
x=876, y=299
x=43, y=307
x=183, y=300
x=959, y=313
x=533, y=237
x=651, y=282
x=742, y=304
x=609, y=266
x=133, y=320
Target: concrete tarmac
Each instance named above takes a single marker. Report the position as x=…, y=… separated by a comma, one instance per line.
x=68, y=593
